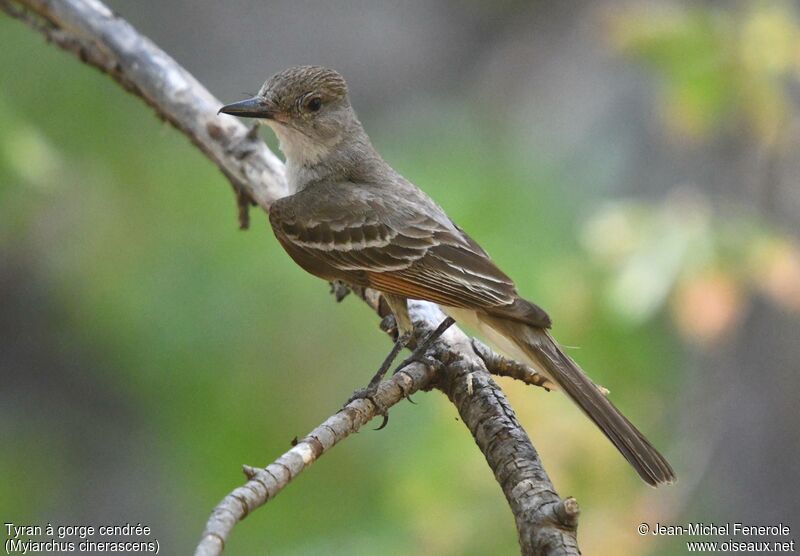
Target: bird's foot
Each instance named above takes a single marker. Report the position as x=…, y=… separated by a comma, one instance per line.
x=369, y=393
x=420, y=354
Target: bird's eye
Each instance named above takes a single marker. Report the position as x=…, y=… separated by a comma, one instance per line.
x=314, y=104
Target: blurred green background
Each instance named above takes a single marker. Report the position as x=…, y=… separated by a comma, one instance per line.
x=633, y=165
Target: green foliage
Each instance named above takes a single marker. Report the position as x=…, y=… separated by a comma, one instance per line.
x=719, y=67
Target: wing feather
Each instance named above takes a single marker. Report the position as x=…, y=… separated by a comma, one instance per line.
x=401, y=250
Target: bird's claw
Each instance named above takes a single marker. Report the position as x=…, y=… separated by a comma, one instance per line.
x=368, y=393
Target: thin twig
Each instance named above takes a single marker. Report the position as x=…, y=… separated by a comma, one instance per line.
x=265, y=483
x=100, y=38
x=503, y=366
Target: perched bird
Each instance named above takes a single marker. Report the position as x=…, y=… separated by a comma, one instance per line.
x=351, y=217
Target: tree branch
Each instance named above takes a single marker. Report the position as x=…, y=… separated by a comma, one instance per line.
x=90, y=31
x=545, y=523
x=265, y=483
x=503, y=366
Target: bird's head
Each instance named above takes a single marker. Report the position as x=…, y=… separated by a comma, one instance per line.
x=307, y=107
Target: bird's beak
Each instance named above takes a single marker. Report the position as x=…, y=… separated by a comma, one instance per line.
x=256, y=107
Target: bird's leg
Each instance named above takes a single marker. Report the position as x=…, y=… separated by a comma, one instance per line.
x=419, y=354
x=405, y=330
x=402, y=341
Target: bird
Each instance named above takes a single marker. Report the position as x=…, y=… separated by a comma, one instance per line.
x=350, y=217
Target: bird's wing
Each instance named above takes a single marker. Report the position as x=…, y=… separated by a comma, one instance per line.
x=397, y=247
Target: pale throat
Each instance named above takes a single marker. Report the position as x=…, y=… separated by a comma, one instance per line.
x=302, y=153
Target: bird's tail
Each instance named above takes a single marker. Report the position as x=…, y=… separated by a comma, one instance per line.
x=543, y=353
